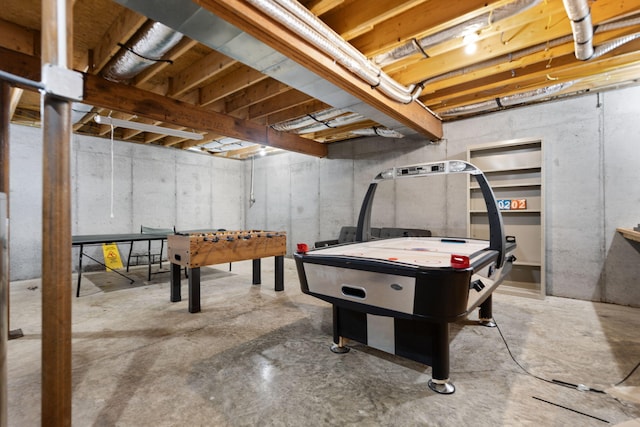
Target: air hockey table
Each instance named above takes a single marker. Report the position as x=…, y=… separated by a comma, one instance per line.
x=399, y=295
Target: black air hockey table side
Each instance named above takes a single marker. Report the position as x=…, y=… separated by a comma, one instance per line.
x=399, y=295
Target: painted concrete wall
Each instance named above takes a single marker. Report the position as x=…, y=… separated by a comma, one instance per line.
x=591, y=158
x=592, y=187
x=152, y=186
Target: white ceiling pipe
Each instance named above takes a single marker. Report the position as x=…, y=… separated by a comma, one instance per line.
x=147, y=128
x=306, y=25
x=580, y=16
x=378, y=131
x=308, y=119
x=333, y=123
x=148, y=48
x=505, y=101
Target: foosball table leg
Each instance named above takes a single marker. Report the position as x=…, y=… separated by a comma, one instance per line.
x=257, y=279
x=279, y=268
x=175, y=283
x=194, y=290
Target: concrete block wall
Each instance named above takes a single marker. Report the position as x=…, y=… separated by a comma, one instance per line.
x=152, y=186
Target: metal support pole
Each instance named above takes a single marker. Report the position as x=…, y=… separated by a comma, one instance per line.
x=57, y=45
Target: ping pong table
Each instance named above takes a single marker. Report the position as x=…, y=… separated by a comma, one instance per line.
x=98, y=239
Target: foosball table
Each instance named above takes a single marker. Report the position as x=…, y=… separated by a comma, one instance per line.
x=193, y=250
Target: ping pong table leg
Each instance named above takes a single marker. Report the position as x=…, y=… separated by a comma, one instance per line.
x=175, y=283
x=79, y=271
x=279, y=269
x=194, y=290
x=149, y=259
x=129, y=257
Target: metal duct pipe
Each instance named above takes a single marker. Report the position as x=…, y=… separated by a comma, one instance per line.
x=147, y=49
x=583, y=31
x=580, y=16
x=333, y=123
x=378, y=131
x=308, y=120
x=314, y=31
x=506, y=101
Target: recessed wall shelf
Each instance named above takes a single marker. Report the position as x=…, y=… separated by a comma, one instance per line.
x=515, y=171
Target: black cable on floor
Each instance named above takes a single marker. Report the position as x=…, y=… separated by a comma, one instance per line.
x=628, y=375
x=580, y=387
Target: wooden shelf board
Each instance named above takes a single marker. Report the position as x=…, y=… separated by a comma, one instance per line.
x=511, y=288
x=629, y=233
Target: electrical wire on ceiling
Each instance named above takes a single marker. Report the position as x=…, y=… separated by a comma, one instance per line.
x=473, y=25
x=378, y=131
x=507, y=101
x=333, y=118
x=147, y=48
x=514, y=56
x=336, y=122
x=578, y=13
x=307, y=120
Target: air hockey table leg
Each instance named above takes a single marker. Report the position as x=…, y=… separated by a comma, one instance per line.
x=440, y=382
x=338, y=342
x=486, y=313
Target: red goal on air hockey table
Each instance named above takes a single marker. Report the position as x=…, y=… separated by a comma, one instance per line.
x=399, y=295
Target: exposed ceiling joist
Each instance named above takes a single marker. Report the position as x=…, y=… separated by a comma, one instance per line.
x=105, y=94
x=257, y=69
x=250, y=20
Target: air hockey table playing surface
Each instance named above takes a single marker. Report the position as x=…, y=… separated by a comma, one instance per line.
x=417, y=251
x=432, y=278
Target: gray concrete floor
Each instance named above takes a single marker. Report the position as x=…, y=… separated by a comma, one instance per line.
x=257, y=357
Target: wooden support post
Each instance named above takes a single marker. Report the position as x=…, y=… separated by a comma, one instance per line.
x=5, y=118
x=57, y=45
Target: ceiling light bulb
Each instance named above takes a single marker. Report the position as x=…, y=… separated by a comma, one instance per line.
x=470, y=43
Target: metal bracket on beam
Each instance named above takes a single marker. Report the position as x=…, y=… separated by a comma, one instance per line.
x=62, y=82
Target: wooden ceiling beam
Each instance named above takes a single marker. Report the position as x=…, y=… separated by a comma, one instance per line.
x=18, y=38
x=103, y=93
x=256, y=93
x=547, y=60
x=178, y=50
x=309, y=107
x=248, y=19
x=284, y=101
x=198, y=72
x=120, y=31
x=434, y=17
x=572, y=70
x=358, y=17
x=237, y=80
x=320, y=7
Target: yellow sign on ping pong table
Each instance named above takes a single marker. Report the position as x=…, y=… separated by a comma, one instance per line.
x=111, y=256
